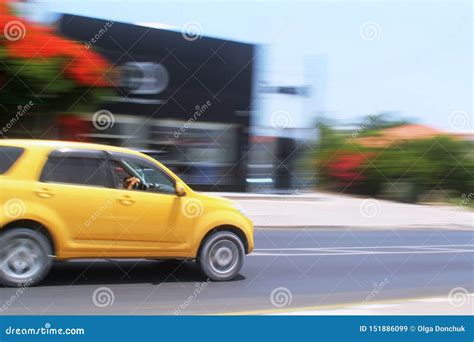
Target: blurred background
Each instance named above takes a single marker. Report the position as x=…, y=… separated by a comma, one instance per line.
x=369, y=98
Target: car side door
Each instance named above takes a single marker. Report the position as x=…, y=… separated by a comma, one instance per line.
x=76, y=185
x=149, y=217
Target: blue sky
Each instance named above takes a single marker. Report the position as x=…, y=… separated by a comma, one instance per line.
x=419, y=62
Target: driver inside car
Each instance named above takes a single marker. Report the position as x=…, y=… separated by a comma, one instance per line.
x=130, y=183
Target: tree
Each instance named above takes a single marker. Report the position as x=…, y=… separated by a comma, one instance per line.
x=38, y=66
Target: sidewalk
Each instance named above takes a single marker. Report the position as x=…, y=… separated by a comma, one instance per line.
x=324, y=210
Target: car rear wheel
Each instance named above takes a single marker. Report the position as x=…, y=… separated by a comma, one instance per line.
x=221, y=256
x=25, y=257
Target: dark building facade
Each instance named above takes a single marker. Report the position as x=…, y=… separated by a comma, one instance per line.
x=186, y=97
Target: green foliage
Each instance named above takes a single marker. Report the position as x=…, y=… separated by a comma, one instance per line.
x=409, y=171
x=441, y=163
x=43, y=82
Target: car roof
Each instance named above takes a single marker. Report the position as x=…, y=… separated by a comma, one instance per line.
x=55, y=144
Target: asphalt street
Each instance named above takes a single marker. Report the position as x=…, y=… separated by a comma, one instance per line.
x=290, y=268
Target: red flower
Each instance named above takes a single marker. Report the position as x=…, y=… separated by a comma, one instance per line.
x=88, y=69
x=346, y=167
x=29, y=40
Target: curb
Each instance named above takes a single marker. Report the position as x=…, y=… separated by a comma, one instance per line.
x=293, y=199
x=327, y=227
x=270, y=197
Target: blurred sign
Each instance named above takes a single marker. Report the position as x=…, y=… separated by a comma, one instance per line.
x=287, y=90
x=144, y=77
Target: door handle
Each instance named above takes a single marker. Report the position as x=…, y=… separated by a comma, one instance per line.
x=44, y=193
x=126, y=200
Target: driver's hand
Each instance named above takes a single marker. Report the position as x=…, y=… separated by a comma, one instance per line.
x=131, y=183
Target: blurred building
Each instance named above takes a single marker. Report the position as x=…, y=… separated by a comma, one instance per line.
x=215, y=111
x=407, y=132
x=288, y=98
x=180, y=96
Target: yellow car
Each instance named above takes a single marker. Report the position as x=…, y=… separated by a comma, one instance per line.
x=65, y=200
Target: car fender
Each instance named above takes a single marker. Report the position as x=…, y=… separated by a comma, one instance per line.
x=34, y=211
x=217, y=218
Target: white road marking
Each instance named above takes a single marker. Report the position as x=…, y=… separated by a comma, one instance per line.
x=372, y=306
x=339, y=254
x=364, y=250
x=361, y=247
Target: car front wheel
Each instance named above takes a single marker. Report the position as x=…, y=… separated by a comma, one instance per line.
x=25, y=257
x=221, y=256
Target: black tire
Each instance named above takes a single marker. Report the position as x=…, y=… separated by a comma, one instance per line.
x=221, y=256
x=25, y=257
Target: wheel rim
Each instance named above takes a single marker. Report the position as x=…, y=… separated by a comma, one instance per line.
x=224, y=256
x=22, y=259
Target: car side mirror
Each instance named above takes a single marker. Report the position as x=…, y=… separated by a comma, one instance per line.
x=180, y=189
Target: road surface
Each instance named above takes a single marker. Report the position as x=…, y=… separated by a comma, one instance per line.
x=290, y=269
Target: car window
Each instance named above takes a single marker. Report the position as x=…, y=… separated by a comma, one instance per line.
x=153, y=177
x=76, y=170
x=8, y=156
